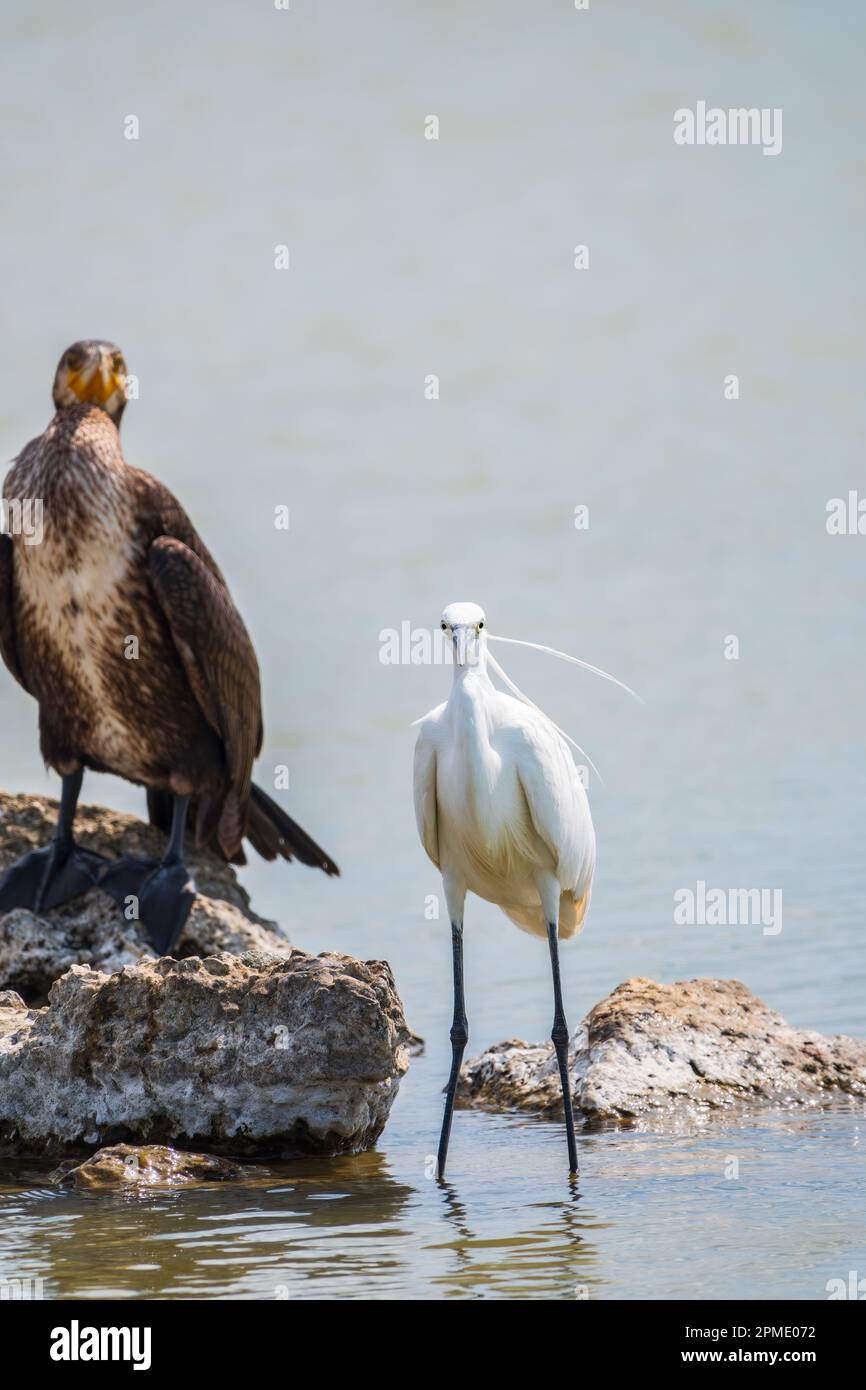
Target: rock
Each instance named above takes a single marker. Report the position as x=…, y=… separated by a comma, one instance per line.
x=11, y=1006
x=144, y=1166
x=255, y=1055
x=37, y=948
x=686, y=1048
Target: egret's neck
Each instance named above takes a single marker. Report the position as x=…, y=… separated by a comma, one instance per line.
x=472, y=679
x=469, y=709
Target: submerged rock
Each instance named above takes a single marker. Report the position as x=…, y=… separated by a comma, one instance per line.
x=696, y=1045
x=145, y=1166
x=254, y=1055
x=37, y=948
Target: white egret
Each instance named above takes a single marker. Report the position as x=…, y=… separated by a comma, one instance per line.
x=502, y=813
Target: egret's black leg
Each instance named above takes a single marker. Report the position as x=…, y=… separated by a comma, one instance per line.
x=47, y=877
x=159, y=895
x=459, y=1038
x=559, y=1036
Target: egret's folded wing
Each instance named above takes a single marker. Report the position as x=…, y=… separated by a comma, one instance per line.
x=426, y=809
x=8, y=644
x=558, y=805
x=215, y=650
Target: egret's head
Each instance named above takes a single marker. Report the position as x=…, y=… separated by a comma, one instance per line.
x=464, y=623
x=92, y=373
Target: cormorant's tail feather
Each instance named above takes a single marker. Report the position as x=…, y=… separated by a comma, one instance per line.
x=268, y=828
x=272, y=832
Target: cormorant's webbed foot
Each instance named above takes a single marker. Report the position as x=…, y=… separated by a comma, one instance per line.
x=47, y=877
x=158, y=895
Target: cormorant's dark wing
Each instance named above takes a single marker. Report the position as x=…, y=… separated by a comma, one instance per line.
x=216, y=652
x=8, y=644
x=160, y=514
x=222, y=670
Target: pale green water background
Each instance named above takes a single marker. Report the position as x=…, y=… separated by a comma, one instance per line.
x=558, y=388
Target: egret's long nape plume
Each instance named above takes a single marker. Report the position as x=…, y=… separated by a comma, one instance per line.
x=494, y=665
x=563, y=656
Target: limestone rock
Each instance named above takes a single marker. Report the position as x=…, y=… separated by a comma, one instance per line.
x=255, y=1055
x=664, y=1050
x=143, y=1166
x=36, y=949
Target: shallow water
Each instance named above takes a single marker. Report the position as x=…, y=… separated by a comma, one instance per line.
x=507, y=1226
x=558, y=388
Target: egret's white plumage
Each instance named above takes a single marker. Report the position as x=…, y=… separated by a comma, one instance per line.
x=499, y=802
x=502, y=812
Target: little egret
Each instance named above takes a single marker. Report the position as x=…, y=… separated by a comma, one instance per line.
x=502, y=813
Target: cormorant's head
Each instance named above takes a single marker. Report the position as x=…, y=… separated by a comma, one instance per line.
x=92, y=373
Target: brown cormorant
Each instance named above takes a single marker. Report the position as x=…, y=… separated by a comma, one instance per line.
x=119, y=623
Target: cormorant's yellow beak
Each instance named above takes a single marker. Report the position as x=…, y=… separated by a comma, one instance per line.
x=96, y=382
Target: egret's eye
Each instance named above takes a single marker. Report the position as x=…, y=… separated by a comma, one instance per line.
x=444, y=627
x=480, y=625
